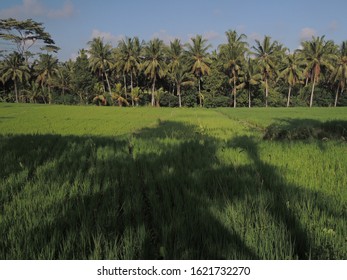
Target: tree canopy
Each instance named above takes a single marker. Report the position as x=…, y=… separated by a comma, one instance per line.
x=235, y=73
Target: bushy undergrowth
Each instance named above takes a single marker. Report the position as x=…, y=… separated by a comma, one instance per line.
x=156, y=183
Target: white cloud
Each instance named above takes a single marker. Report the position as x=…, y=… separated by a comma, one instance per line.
x=211, y=35
x=107, y=36
x=307, y=33
x=333, y=26
x=254, y=36
x=163, y=35
x=34, y=8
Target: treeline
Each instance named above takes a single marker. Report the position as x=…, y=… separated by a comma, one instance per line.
x=137, y=73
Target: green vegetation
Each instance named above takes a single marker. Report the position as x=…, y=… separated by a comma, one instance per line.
x=82, y=182
x=135, y=72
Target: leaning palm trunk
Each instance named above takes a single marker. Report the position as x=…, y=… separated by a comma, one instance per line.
x=179, y=95
x=153, y=92
x=312, y=92
x=336, y=96
x=108, y=84
x=289, y=91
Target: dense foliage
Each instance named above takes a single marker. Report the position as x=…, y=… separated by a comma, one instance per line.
x=136, y=72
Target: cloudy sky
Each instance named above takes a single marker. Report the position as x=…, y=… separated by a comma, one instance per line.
x=72, y=23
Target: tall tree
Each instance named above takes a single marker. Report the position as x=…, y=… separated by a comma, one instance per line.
x=101, y=59
x=232, y=55
x=63, y=77
x=249, y=77
x=198, y=59
x=339, y=74
x=154, y=62
x=46, y=68
x=25, y=34
x=129, y=57
x=317, y=53
x=178, y=72
x=291, y=72
x=82, y=79
x=266, y=54
x=15, y=69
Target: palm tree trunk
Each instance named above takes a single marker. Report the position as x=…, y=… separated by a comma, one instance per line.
x=234, y=92
x=266, y=92
x=179, y=95
x=289, y=91
x=311, y=98
x=15, y=90
x=153, y=90
x=49, y=96
x=63, y=95
x=108, y=84
x=249, y=97
x=125, y=85
x=336, y=96
x=131, y=88
x=200, y=101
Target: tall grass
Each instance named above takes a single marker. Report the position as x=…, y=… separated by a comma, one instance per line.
x=144, y=183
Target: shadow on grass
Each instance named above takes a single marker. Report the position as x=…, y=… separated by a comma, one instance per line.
x=304, y=129
x=158, y=194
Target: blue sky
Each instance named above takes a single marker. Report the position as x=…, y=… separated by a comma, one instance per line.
x=72, y=23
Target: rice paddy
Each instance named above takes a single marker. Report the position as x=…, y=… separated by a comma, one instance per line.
x=159, y=183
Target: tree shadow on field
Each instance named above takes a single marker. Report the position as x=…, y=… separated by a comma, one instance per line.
x=161, y=193
x=306, y=129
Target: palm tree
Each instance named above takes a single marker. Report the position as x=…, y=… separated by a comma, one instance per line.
x=14, y=68
x=178, y=72
x=181, y=77
x=46, y=67
x=63, y=77
x=339, y=75
x=198, y=59
x=117, y=95
x=249, y=77
x=129, y=57
x=291, y=72
x=232, y=55
x=317, y=53
x=101, y=59
x=266, y=53
x=154, y=62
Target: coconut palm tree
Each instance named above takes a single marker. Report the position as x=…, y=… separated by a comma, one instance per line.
x=117, y=95
x=198, y=59
x=339, y=74
x=14, y=68
x=317, y=53
x=154, y=62
x=129, y=59
x=101, y=59
x=249, y=77
x=177, y=70
x=291, y=72
x=266, y=53
x=63, y=77
x=232, y=56
x=46, y=68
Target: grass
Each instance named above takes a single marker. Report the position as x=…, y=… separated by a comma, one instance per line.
x=160, y=183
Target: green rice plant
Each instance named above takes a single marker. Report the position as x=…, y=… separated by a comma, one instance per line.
x=159, y=183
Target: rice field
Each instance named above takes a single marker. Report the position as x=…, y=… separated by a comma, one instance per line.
x=159, y=183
